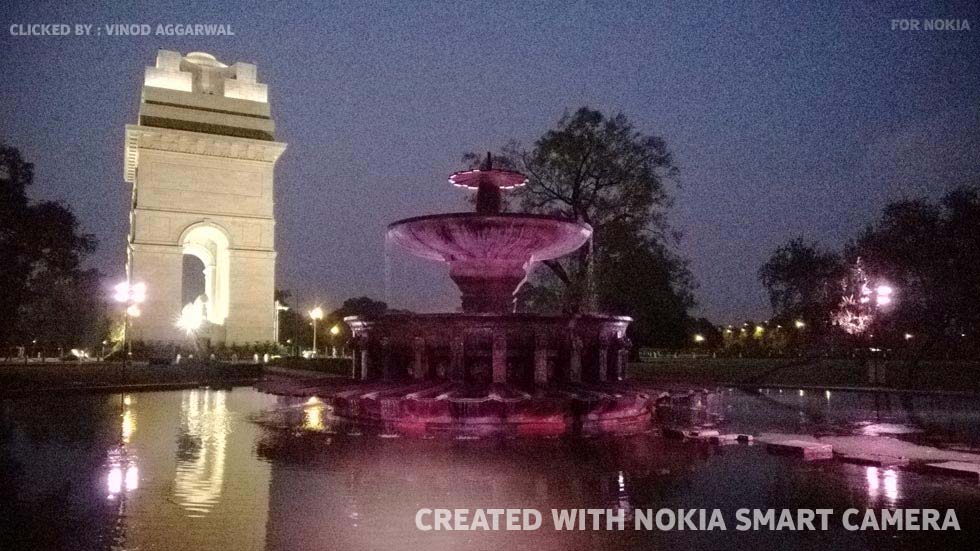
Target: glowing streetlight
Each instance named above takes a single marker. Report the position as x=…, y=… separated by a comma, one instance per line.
x=334, y=331
x=699, y=338
x=132, y=295
x=191, y=317
x=316, y=315
x=800, y=324
x=908, y=336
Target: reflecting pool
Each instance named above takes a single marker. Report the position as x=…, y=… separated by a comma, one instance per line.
x=192, y=470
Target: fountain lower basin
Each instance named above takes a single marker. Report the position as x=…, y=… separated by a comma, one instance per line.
x=460, y=410
x=489, y=255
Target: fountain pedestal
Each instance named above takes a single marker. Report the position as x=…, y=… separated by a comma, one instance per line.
x=487, y=286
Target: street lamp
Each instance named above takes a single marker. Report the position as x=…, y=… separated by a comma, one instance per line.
x=334, y=331
x=316, y=315
x=800, y=324
x=280, y=307
x=132, y=295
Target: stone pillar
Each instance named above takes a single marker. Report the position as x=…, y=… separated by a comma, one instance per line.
x=575, y=360
x=365, y=364
x=603, y=361
x=457, y=367
x=386, y=367
x=499, y=358
x=622, y=357
x=362, y=357
x=540, y=360
x=420, y=368
x=355, y=360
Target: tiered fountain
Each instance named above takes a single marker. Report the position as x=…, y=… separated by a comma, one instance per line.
x=489, y=370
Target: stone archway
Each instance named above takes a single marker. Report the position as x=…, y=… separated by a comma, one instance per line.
x=209, y=243
x=201, y=160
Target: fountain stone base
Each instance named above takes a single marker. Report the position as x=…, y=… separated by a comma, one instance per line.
x=524, y=350
x=489, y=375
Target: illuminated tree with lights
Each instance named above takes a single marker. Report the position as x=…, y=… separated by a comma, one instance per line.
x=862, y=301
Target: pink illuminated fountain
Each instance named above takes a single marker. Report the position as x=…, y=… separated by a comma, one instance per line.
x=489, y=252
x=488, y=370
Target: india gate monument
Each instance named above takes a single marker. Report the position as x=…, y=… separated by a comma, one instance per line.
x=202, y=160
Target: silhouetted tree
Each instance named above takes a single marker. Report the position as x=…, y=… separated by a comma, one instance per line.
x=46, y=294
x=930, y=253
x=927, y=251
x=603, y=171
x=803, y=282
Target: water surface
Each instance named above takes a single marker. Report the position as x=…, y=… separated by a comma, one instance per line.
x=190, y=470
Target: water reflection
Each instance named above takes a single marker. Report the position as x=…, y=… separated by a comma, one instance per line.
x=123, y=470
x=313, y=412
x=188, y=470
x=878, y=480
x=201, y=446
x=953, y=418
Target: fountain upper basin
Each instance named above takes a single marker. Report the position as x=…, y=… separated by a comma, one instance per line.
x=499, y=237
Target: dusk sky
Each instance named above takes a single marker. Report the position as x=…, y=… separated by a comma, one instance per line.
x=785, y=121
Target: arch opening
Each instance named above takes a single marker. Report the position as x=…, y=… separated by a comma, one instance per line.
x=205, y=248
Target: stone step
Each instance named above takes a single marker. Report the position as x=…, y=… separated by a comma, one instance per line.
x=690, y=434
x=956, y=468
x=726, y=439
x=874, y=460
x=808, y=451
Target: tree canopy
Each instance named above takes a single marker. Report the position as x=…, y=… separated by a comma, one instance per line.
x=802, y=280
x=601, y=170
x=48, y=296
x=927, y=252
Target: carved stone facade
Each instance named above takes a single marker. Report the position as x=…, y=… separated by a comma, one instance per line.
x=201, y=161
x=518, y=349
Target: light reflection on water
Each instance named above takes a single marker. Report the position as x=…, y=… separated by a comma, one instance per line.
x=313, y=413
x=122, y=462
x=202, y=440
x=188, y=470
x=882, y=487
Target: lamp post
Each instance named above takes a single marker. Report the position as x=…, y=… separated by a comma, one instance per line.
x=132, y=295
x=334, y=331
x=280, y=307
x=698, y=341
x=316, y=315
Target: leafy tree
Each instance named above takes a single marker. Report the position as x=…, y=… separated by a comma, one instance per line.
x=360, y=306
x=930, y=253
x=603, y=171
x=295, y=325
x=927, y=251
x=803, y=282
x=47, y=296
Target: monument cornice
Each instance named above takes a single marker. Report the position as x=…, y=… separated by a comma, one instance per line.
x=198, y=143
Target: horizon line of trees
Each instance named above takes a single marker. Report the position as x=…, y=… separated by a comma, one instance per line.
x=925, y=252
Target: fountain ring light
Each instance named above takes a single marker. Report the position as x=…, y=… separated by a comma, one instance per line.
x=502, y=179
